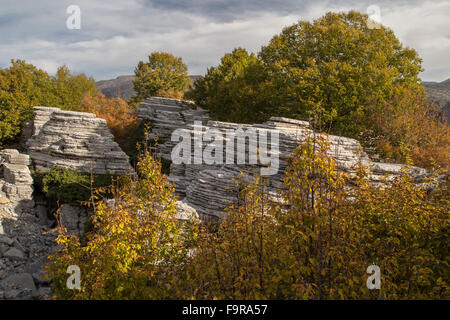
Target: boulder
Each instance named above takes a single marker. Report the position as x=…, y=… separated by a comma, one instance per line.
x=14, y=254
x=17, y=283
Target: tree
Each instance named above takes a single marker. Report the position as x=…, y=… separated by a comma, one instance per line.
x=120, y=118
x=23, y=86
x=335, y=68
x=233, y=90
x=340, y=68
x=71, y=89
x=410, y=128
x=162, y=74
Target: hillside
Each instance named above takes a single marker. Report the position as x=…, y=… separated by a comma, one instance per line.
x=123, y=86
x=439, y=92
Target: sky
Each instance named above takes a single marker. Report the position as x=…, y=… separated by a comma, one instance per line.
x=116, y=34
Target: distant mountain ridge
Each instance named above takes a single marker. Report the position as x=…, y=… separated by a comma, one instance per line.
x=439, y=92
x=122, y=86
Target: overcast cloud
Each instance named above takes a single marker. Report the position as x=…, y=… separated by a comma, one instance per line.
x=116, y=34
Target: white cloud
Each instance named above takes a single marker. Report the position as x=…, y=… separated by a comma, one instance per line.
x=115, y=34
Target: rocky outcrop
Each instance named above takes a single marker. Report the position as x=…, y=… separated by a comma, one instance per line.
x=167, y=115
x=209, y=188
x=25, y=238
x=15, y=182
x=74, y=218
x=74, y=140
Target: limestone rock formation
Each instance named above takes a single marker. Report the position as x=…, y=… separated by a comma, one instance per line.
x=15, y=182
x=25, y=238
x=209, y=188
x=74, y=140
x=167, y=115
x=74, y=218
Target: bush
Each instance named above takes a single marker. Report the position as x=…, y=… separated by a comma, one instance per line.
x=134, y=247
x=319, y=243
x=68, y=186
x=316, y=244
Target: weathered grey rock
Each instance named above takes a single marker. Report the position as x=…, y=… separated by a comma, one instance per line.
x=74, y=218
x=15, y=182
x=41, y=212
x=17, y=174
x=167, y=115
x=3, y=249
x=13, y=156
x=74, y=140
x=14, y=253
x=18, y=283
x=44, y=293
x=24, y=243
x=185, y=211
x=6, y=240
x=209, y=188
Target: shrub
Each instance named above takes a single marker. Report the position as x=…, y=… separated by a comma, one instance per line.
x=134, y=247
x=68, y=186
x=319, y=242
x=316, y=244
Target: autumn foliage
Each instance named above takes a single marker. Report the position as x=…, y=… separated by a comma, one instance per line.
x=120, y=118
x=410, y=128
x=319, y=242
x=315, y=242
x=135, y=243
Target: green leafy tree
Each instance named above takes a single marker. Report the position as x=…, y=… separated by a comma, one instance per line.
x=336, y=68
x=23, y=86
x=71, y=89
x=233, y=91
x=162, y=74
x=339, y=68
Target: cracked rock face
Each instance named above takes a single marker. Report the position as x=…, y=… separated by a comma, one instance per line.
x=74, y=140
x=74, y=218
x=25, y=238
x=209, y=188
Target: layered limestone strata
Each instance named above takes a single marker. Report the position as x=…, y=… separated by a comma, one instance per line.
x=74, y=140
x=167, y=115
x=25, y=236
x=15, y=182
x=209, y=188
